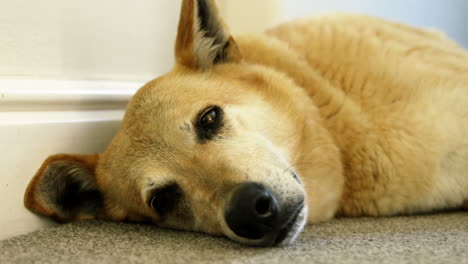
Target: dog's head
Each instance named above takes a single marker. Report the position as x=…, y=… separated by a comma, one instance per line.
x=207, y=147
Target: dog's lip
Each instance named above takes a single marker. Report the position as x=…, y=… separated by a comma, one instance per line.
x=288, y=226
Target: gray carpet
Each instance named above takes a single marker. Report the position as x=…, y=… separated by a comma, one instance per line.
x=441, y=238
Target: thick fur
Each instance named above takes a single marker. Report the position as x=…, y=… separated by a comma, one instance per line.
x=371, y=115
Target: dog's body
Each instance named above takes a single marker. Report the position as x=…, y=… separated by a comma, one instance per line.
x=371, y=115
x=393, y=98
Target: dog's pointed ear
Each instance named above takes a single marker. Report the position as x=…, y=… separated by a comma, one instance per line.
x=203, y=39
x=65, y=188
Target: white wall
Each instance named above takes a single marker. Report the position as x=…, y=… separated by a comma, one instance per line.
x=64, y=41
x=133, y=40
x=450, y=16
x=87, y=39
x=251, y=15
x=39, y=118
x=104, y=39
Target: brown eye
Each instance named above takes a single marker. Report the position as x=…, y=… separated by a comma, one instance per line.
x=209, y=123
x=165, y=199
x=209, y=118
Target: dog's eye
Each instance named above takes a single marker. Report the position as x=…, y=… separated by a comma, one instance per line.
x=165, y=199
x=209, y=118
x=209, y=122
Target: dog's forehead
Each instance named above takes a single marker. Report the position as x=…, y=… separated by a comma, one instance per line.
x=178, y=97
x=156, y=121
x=162, y=113
x=163, y=102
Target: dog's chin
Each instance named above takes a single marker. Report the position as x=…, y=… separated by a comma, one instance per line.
x=285, y=236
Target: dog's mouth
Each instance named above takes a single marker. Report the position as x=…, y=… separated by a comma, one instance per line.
x=290, y=230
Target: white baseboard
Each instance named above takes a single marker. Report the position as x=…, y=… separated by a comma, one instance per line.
x=42, y=117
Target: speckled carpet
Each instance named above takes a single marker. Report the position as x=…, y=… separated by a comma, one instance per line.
x=440, y=238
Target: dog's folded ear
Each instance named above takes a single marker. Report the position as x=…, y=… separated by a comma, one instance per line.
x=65, y=188
x=203, y=39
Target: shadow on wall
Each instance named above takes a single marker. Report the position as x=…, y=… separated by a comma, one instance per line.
x=449, y=16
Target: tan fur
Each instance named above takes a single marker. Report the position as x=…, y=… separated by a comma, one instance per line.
x=371, y=114
x=397, y=110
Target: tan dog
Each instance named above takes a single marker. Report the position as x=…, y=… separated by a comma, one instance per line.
x=252, y=136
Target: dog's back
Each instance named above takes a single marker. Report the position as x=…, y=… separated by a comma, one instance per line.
x=394, y=99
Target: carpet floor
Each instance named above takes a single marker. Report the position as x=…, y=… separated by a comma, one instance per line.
x=440, y=238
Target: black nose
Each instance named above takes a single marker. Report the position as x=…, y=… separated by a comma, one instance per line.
x=253, y=212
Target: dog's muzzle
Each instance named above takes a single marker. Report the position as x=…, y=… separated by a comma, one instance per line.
x=255, y=214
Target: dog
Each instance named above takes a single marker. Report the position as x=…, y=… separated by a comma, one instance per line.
x=253, y=136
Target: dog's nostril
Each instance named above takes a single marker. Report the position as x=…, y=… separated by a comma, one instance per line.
x=263, y=205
